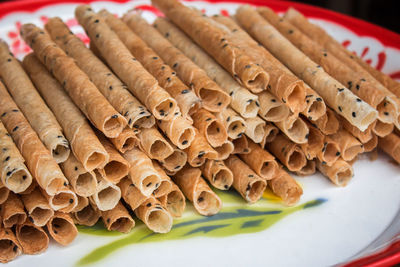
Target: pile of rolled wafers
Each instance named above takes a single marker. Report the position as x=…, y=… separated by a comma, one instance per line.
x=150, y=115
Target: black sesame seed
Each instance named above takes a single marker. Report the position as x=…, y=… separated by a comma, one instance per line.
x=200, y=199
x=167, y=34
x=162, y=67
x=222, y=39
x=290, y=31
x=15, y=128
x=386, y=113
x=7, y=158
x=319, y=99
x=225, y=45
x=170, y=105
x=257, y=104
x=363, y=80
x=219, y=103
x=228, y=119
x=141, y=113
x=129, y=121
x=218, y=130
x=208, y=119
x=15, y=248
x=248, y=187
x=14, y=110
x=149, y=184
x=97, y=35
x=251, y=175
x=184, y=142
x=325, y=54
x=358, y=100
x=55, y=231
x=110, y=87
x=337, y=154
x=201, y=154
x=350, y=84
x=177, y=167
x=226, y=186
x=168, y=79
x=231, y=93
x=357, y=87
x=9, y=60
x=71, y=201
x=24, y=177
x=340, y=89
x=307, y=135
x=234, y=127
x=5, y=113
x=324, y=163
x=114, y=116
x=148, y=205
x=339, y=108
x=175, y=65
x=65, y=184
x=234, y=30
x=76, y=168
x=273, y=100
x=9, y=173
x=96, y=21
x=353, y=114
x=155, y=57
x=247, y=67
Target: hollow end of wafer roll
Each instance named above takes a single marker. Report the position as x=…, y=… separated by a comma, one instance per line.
x=297, y=131
x=296, y=95
x=213, y=100
x=62, y=228
x=65, y=200
x=387, y=111
x=85, y=184
x=330, y=152
x=165, y=109
x=339, y=173
x=352, y=151
x=82, y=203
x=155, y=217
x=218, y=174
x=16, y=218
x=115, y=170
x=276, y=113
x=255, y=129
x=241, y=145
x=308, y=169
x=224, y=150
x=126, y=141
x=186, y=138
x=315, y=109
x=174, y=202
x=87, y=216
x=250, y=108
x=175, y=161
x=255, y=190
x=286, y=187
x=4, y=192
x=150, y=183
x=122, y=224
x=268, y=169
x=328, y=123
x=270, y=132
x=296, y=160
x=216, y=133
x=61, y=152
x=107, y=197
x=257, y=81
x=382, y=129
x=235, y=128
x=40, y=215
x=18, y=181
x=95, y=160
x=207, y=203
x=55, y=185
x=114, y=125
x=32, y=239
x=143, y=121
x=9, y=246
x=164, y=188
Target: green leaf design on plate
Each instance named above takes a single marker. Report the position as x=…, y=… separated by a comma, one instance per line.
x=236, y=218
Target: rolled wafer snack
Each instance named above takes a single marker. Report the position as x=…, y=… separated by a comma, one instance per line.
x=371, y=144
x=117, y=167
x=38, y=207
x=242, y=101
x=32, y=238
x=175, y=161
x=125, y=140
x=216, y=172
x=174, y=201
x=255, y=129
x=364, y=136
x=165, y=182
x=368, y=90
x=65, y=200
x=213, y=98
x=141, y=83
x=315, y=142
x=209, y=37
x=249, y=185
x=12, y=211
x=199, y=151
x=156, y=218
x=83, y=182
x=4, y=192
x=10, y=247
x=32, y=105
x=142, y=172
x=204, y=200
x=39, y=161
x=187, y=101
x=288, y=153
x=272, y=109
x=308, y=169
x=32, y=186
x=329, y=123
x=154, y=144
x=324, y=39
x=83, y=202
x=286, y=187
x=209, y=126
x=88, y=216
x=339, y=173
x=390, y=145
x=179, y=131
x=13, y=172
x=330, y=151
x=383, y=129
x=270, y=132
x=240, y=145
x=84, y=143
x=118, y=219
x=108, y=84
x=62, y=229
x=260, y=161
x=349, y=146
x=295, y=128
x=78, y=85
x=107, y=194
x=233, y=123
x=336, y=95
x=224, y=150
x=131, y=195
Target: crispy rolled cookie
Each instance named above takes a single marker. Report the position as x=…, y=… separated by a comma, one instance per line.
x=286, y=187
x=107, y=194
x=4, y=192
x=154, y=144
x=174, y=201
x=78, y=85
x=32, y=238
x=390, y=145
x=88, y=216
x=371, y=144
x=244, y=102
x=118, y=219
x=165, y=182
x=32, y=105
x=10, y=247
x=65, y=200
x=329, y=152
x=383, y=129
x=308, y=169
x=126, y=140
x=178, y=130
x=39, y=161
x=241, y=145
x=12, y=211
x=294, y=128
x=204, y=200
x=225, y=150
x=156, y=218
x=216, y=172
x=108, y=84
x=209, y=126
x=175, y=161
x=84, y=143
x=233, y=123
x=315, y=142
x=328, y=123
x=62, y=229
x=37, y=207
x=270, y=132
x=363, y=136
x=13, y=172
x=349, y=146
x=339, y=173
x=83, y=202
x=272, y=109
x=131, y=195
x=255, y=129
x=199, y=151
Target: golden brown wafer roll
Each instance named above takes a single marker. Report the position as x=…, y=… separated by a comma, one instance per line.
x=141, y=83
x=4, y=192
x=156, y=218
x=240, y=145
x=212, y=96
x=330, y=151
x=209, y=37
x=249, y=185
x=187, y=101
x=224, y=150
x=286, y=187
x=328, y=123
x=270, y=132
x=349, y=146
x=62, y=229
x=10, y=247
x=315, y=105
x=260, y=161
x=108, y=84
x=125, y=140
x=131, y=195
x=390, y=145
x=142, y=172
x=79, y=87
x=33, y=239
x=272, y=109
x=32, y=105
x=288, y=153
x=37, y=207
x=371, y=144
x=83, y=202
x=64, y=200
x=336, y=95
x=216, y=172
x=174, y=201
x=83, y=182
x=368, y=90
x=118, y=219
x=178, y=130
x=84, y=143
x=315, y=142
x=320, y=36
x=154, y=144
x=12, y=211
x=175, y=161
x=383, y=129
x=165, y=182
x=199, y=151
x=39, y=161
x=32, y=186
x=364, y=136
x=255, y=129
x=339, y=173
x=308, y=169
x=117, y=167
x=294, y=128
x=233, y=123
x=88, y=216
x=107, y=194
x=204, y=200
x=242, y=101
x=13, y=172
